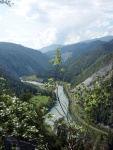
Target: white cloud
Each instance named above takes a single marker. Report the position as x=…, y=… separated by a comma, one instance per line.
x=101, y=23
x=0, y=17
x=22, y=7
x=42, y=22
x=46, y=37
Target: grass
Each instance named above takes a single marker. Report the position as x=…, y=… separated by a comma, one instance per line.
x=40, y=100
x=32, y=78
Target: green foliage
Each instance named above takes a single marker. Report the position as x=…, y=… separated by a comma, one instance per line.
x=92, y=99
x=14, y=124
x=16, y=116
x=23, y=119
x=69, y=134
x=41, y=101
x=25, y=96
x=93, y=134
x=68, y=58
x=62, y=70
x=87, y=64
x=58, y=60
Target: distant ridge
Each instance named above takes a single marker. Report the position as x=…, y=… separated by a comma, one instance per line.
x=105, y=39
x=89, y=63
x=75, y=50
x=49, y=48
x=19, y=60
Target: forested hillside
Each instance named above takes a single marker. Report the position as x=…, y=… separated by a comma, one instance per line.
x=84, y=65
x=19, y=60
x=77, y=49
x=89, y=63
x=49, y=48
x=15, y=86
x=34, y=107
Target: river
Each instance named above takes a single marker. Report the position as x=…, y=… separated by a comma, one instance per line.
x=56, y=110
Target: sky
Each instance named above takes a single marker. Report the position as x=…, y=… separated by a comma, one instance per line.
x=39, y=23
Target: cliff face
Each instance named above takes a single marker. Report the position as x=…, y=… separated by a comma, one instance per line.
x=103, y=72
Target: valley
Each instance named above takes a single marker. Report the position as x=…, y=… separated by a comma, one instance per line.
x=56, y=110
x=56, y=75
x=75, y=112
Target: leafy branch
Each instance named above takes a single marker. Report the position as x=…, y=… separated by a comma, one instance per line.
x=7, y=2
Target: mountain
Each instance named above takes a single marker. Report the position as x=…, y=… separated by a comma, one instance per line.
x=105, y=39
x=19, y=60
x=80, y=48
x=49, y=48
x=105, y=71
x=87, y=58
x=75, y=50
x=89, y=63
x=97, y=56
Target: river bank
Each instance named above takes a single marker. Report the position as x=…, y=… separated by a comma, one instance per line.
x=56, y=110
